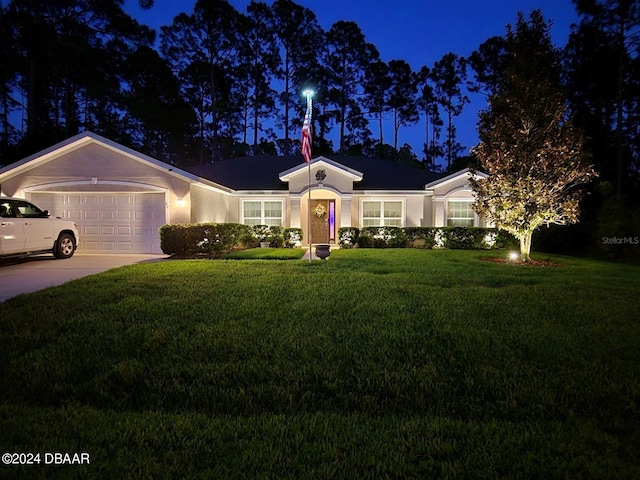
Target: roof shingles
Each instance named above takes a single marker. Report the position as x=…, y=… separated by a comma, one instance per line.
x=262, y=173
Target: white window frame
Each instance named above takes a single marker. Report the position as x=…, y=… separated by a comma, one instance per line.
x=263, y=219
x=460, y=200
x=382, y=218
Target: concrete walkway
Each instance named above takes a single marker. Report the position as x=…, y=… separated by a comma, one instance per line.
x=30, y=274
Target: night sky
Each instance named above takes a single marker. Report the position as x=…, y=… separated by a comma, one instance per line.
x=417, y=31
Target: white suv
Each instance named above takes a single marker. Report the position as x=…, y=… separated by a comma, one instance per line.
x=27, y=230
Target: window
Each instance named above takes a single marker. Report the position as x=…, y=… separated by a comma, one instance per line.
x=262, y=212
x=460, y=214
x=28, y=210
x=382, y=213
x=6, y=210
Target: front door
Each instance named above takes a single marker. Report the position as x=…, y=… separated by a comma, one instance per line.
x=322, y=213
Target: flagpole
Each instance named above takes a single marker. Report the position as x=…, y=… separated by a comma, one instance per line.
x=309, y=203
x=306, y=152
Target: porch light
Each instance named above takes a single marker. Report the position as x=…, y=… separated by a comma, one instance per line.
x=180, y=202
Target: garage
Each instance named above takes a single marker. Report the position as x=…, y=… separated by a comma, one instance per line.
x=118, y=198
x=116, y=222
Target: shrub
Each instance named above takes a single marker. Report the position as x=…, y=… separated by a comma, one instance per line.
x=420, y=237
x=348, y=237
x=293, y=237
x=467, y=238
x=273, y=234
x=173, y=239
x=201, y=238
x=382, y=237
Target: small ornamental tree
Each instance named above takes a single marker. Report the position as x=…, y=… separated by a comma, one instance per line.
x=532, y=153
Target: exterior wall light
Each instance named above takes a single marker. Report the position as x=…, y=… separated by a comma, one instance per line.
x=180, y=202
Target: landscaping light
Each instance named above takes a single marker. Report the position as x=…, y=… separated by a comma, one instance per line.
x=513, y=256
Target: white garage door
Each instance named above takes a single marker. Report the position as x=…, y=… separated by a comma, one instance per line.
x=110, y=222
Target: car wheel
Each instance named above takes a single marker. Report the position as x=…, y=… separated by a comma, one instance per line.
x=65, y=246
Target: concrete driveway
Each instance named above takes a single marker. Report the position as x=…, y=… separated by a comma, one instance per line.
x=30, y=274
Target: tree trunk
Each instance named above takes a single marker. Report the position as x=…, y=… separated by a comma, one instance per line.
x=5, y=123
x=619, y=116
x=427, y=157
x=287, y=147
x=395, y=128
x=449, y=142
x=32, y=120
x=255, y=127
x=525, y=247
x=214, y=114
x=343, y=111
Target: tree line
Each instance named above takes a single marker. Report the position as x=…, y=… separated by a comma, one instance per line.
x=223, y=83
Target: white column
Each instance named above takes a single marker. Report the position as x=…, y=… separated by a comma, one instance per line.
x=345, y=212
x=295, y=213
x=439, y=219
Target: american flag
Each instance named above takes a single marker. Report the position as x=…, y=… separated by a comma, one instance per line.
x=306, y=133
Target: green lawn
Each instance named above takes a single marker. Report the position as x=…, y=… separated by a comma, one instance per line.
x=373, y=364
x=267, y=254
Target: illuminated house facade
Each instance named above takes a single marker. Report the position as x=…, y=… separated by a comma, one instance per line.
x=119, y=197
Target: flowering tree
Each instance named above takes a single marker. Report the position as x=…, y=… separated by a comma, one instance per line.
x=528, y=145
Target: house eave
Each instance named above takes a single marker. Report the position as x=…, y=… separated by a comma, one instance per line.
x=282, y=193
x=417, y=193
x=453, y=177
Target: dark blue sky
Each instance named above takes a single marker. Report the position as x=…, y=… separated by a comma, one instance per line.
x=417, y=31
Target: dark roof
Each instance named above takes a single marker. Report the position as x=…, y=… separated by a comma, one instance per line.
x=379, y=174
x=262, y=173
x=247, y=173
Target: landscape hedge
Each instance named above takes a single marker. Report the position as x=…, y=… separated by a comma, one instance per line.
x=216, y=238
x=467, y=238
x=203, y=238
x=382, y=237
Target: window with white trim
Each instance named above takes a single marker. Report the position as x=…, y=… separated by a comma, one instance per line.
x=262, y=212
x=381, y=213
x=460, y=214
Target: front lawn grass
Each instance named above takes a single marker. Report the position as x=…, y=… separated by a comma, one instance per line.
x=373, y=364
x=266, y=254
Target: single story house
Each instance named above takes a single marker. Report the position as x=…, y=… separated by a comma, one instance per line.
x=119, y=197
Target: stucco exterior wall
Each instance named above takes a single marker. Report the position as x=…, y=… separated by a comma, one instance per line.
x=210, y=206
x=427, y=206
x=414, y=210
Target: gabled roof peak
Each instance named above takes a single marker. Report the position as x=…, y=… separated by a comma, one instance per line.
x=86, y=138
x=355, y=175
